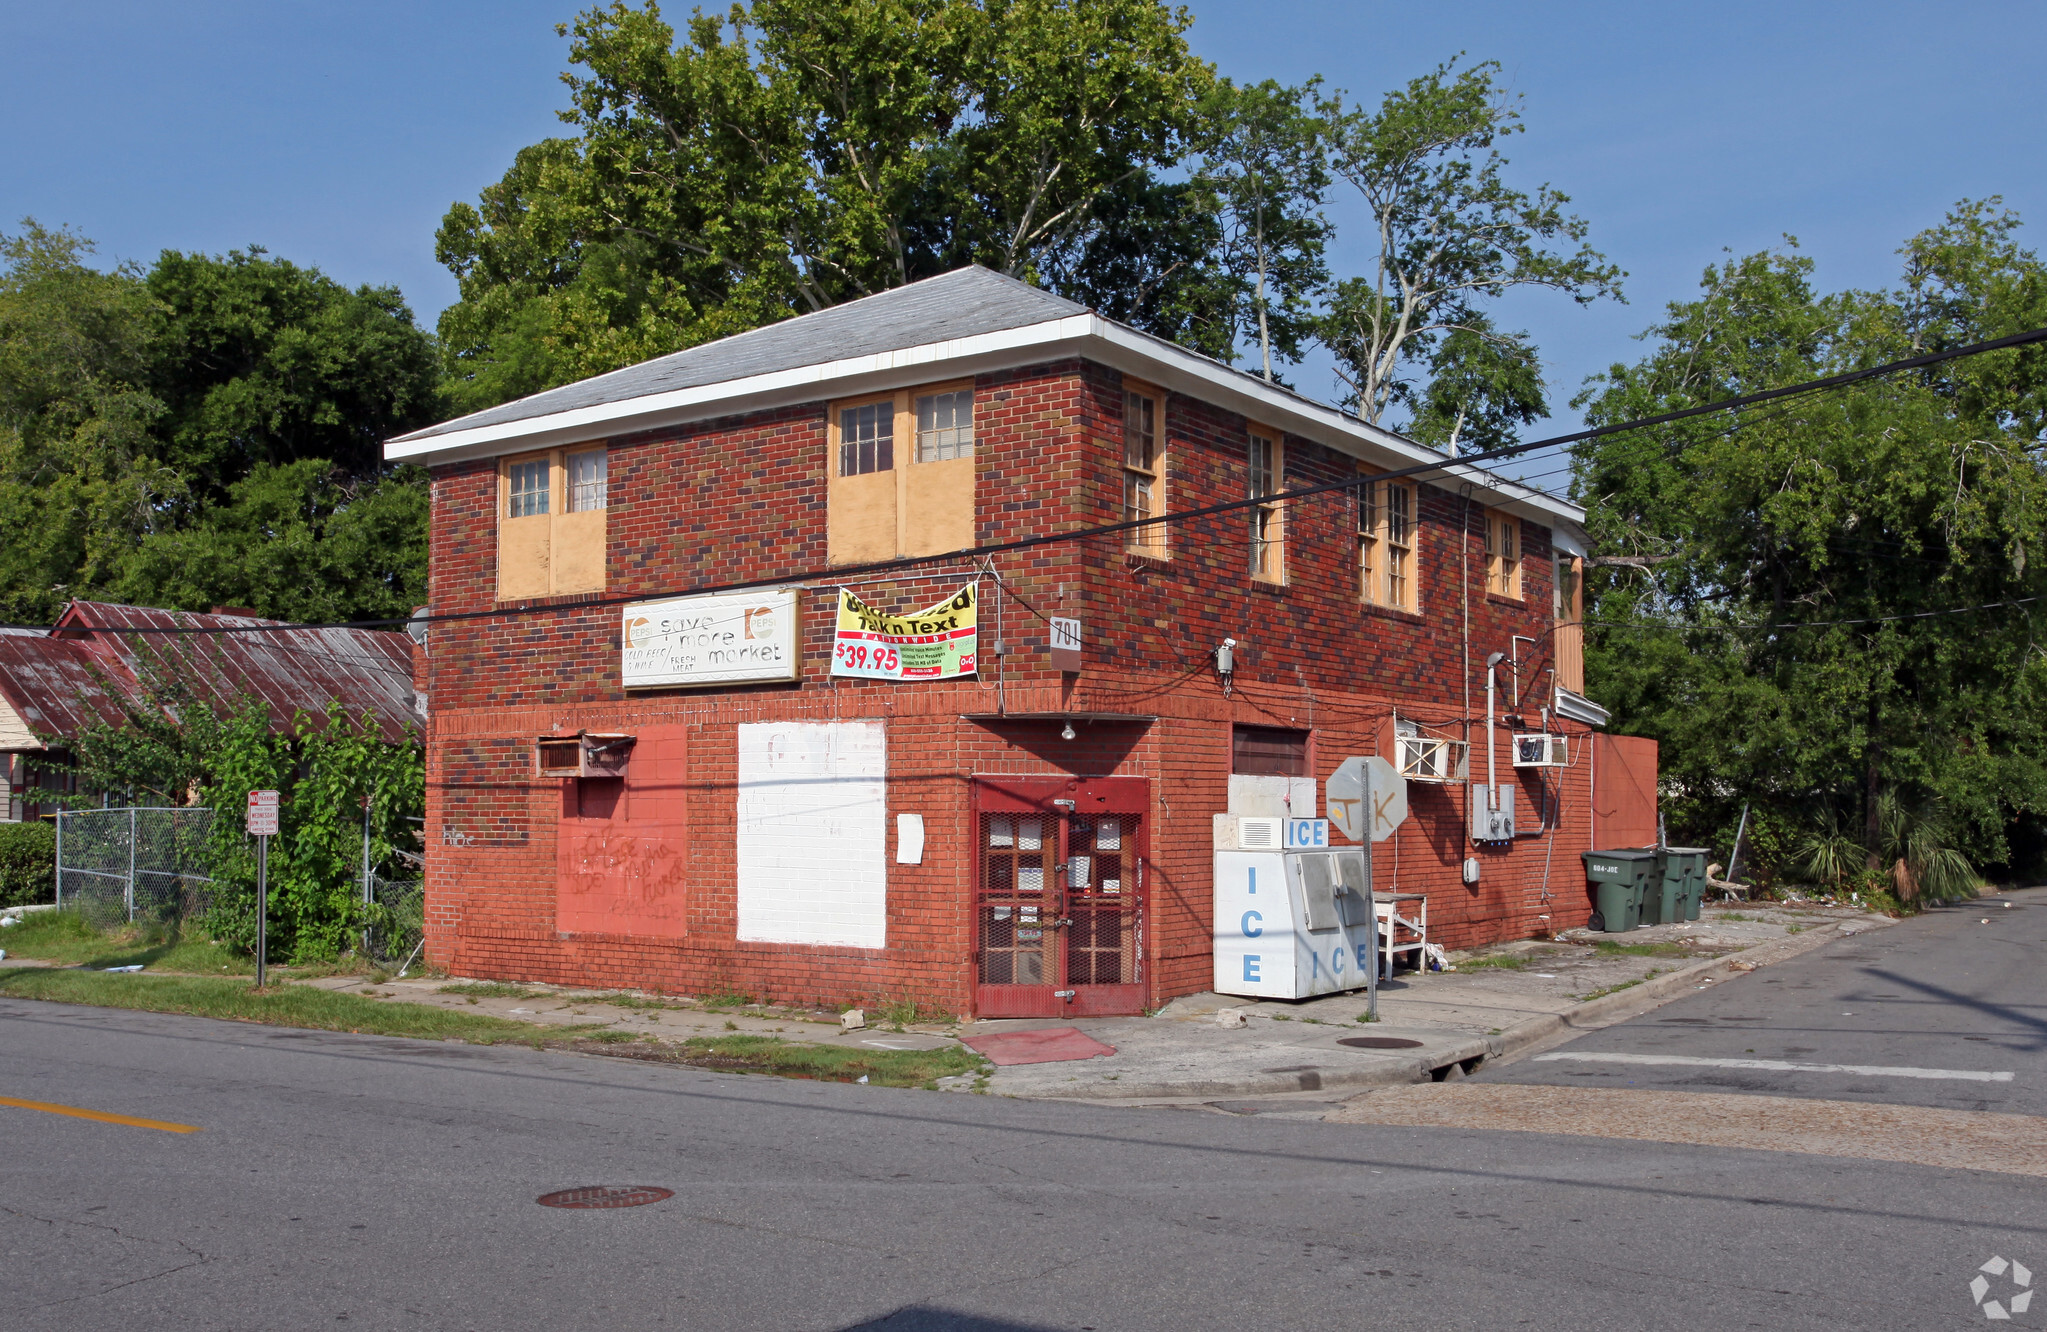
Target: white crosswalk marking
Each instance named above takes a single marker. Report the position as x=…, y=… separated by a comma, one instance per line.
x=1780, y=1066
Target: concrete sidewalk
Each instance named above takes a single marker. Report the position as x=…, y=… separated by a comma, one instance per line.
x=1513, y=1000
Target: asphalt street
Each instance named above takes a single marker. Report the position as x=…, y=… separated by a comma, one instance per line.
x=1948, y=1009
x=351, y=1181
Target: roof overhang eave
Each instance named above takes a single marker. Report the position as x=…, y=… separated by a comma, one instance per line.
x=1088, y=335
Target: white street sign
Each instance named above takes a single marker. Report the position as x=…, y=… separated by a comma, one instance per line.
x=262, y=817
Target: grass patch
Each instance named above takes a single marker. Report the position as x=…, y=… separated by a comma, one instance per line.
x=726, y=1000
x=818, y=1063
x=1604, y=991
x=1494, y=962
x=490, y=990
x=233, y=998
x=1641, y=949
x=69, y=939
x=1734, y=915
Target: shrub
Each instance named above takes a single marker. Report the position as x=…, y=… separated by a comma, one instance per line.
x=28, y=863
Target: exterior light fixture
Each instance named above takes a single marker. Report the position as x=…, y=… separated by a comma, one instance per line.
x=1067, y=734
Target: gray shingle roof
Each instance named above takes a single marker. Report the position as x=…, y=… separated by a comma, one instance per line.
x=959, y=304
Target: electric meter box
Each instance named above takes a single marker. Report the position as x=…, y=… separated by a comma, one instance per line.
x=1293, y=924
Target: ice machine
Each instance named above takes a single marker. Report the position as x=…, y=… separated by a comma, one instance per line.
x=1294, y=923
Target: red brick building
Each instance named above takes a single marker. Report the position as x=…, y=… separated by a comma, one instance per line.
x=638, y=779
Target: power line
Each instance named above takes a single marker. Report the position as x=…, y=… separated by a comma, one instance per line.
x=1463, y=462
x=1771, y=626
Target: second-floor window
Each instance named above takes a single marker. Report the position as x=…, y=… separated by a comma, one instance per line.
x=1144, y=470
x=867, y=439
x=530, y=483
x=587, y=487
x=1502, y=554
x=553, y=529
x=945, y=426
x=1386, y=532
x=1268, y=546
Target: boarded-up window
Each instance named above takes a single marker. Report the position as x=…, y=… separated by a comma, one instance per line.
x=1268, y=751
x=881, y=505
x=813, y=834
x=552, y=527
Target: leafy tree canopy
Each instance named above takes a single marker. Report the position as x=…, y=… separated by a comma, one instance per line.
x=1910, y=508
x=788, y=155
x=206, y=431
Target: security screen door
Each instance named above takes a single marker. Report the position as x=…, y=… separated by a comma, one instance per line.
x=1060, y=896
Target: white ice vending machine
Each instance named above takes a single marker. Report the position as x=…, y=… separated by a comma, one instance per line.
x=1293, y=921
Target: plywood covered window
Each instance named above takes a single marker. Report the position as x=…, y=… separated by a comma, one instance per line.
x=1386, y=544
x=1570, y=628
x=920, y=501
x=1144, y=467
x=552, y=523
x=1502, y=554
x=1266, y=474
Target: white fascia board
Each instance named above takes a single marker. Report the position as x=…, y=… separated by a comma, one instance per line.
x=1089, y=335
x=779, y=388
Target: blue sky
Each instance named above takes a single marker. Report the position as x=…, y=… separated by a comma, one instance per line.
x=337, y=135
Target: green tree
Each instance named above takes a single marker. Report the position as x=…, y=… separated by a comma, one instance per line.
x=206, y=432
x=792, y=154
x=1450, y=235
x=1265, y=163
x=1824, y=605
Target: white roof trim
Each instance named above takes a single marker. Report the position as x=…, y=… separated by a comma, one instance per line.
x=1579, y=708
x=1090, y=335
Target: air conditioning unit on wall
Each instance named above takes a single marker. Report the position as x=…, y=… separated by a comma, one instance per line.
x=1541, y=751
x=582, y=755
x=1424, y=758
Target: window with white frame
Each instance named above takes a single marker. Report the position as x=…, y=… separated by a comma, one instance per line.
x=587, y=484
x=945, y=426
x=1266, y=472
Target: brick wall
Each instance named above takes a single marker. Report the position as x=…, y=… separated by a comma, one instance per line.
x=743, y=498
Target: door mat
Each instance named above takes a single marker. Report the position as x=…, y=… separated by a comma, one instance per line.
x=1046, y=1046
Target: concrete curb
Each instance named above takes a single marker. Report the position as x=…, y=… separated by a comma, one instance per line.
x=1523, y=1038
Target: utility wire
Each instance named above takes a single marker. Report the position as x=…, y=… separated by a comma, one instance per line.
x=1463, y=462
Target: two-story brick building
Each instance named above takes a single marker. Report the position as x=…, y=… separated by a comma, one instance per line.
x=640, y=777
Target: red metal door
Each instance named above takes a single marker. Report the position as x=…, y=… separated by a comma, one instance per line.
x=1059, y=915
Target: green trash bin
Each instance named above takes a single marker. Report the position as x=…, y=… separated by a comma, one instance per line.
x=1617, y=880
x=1689, y=865
x=1663, y=902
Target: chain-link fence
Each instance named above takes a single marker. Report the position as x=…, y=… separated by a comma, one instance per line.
x=395, y=911
x=133, y=864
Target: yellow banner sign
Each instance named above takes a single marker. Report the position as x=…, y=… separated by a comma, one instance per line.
x=936, y=643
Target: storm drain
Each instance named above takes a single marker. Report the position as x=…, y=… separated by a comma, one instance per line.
x=605, y=1195
x=1379, y=1043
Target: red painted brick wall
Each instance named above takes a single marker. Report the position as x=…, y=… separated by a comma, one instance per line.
x=744, y=498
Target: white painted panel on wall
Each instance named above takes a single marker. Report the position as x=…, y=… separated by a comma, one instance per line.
x=813, y=833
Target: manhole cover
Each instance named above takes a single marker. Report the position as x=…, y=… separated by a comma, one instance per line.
x=1379, y=1043
x=605, y=1195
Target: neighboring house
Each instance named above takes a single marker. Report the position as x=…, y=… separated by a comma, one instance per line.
x=95, y=665
x=632, y=785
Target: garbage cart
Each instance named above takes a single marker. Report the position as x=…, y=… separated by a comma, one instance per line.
x=1687, y=865
x=1618, y=880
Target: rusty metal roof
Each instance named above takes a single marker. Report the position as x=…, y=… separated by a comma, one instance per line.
x=59, y=681
x=58, y=687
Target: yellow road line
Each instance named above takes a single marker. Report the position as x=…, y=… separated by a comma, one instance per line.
x=102, y=1116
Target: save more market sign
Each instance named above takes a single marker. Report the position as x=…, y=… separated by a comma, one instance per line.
x=724, y=638
x=936, y=643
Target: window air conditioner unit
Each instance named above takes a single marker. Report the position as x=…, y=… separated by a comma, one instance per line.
x=1541, y=751
x=585, y=754
x=1424, y=758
